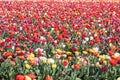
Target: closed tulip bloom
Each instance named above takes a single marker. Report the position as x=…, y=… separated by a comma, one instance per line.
x=27, y=78
x=113, y=62
x=48, y=78
x=76, y=66
x=27, y=66
x=19, y=77
x=104, y=68
x=54, y=66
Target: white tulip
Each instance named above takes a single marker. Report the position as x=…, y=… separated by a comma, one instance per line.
x=36, y=50
x=117, y=54
x=96, y=49
x=87, y=39
x=51, y=61
x=91, y=37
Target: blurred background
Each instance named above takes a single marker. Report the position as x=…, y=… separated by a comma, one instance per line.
x=69, y=0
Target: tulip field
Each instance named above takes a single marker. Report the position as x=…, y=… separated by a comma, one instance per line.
x=59, y=40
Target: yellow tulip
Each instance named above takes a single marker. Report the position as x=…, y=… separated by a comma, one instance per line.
x=44, y=61
x=30, y=58
x=58, y=51
x=98, y=65
x=118, y=78
x=78, y=62
x=102, y=57
x=32, y=55
x=54, y=66
x=91, y=50
x=10, y=57
x=105, y=62
x=68, y=53
x=53, y=52
x=28, y=52
x=76, y=53
x=68, y=44
x=27, y=66
x=85, y=52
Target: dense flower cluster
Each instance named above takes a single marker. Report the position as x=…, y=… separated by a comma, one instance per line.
x=59, y=41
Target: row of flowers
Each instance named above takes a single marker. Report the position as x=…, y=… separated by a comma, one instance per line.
x=59, y=41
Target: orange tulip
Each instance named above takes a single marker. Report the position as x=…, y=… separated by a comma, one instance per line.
x=33, y=63
x=7, y=54
x=110, y=53
x=112, y=48
x=69, y=58
x=21, y=57
x=18, y=49
x=95, y=54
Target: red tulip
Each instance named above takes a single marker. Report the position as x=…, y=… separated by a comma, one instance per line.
x=48, y=78
x=96, y=38
x=65, y=63
x=110, y=53
x=113, y=62
x=20, y=77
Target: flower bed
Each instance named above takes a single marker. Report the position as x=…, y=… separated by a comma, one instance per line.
x=59, y=41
